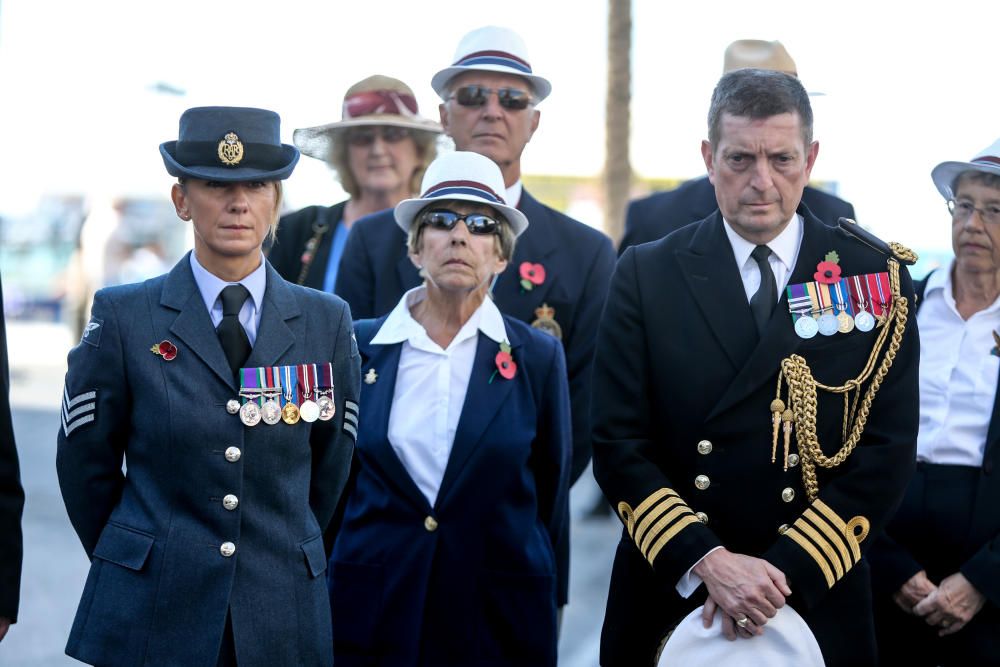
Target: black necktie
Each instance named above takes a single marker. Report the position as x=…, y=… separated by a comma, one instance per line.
x=234, y=339
x=763, y=300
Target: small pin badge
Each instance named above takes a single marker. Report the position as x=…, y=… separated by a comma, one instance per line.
x=371, y=376
x=165, y=349
x=230, y=150
x=546, y=320
x=996, y=347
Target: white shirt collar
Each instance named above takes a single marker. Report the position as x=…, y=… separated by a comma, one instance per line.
x=513, y=194
x=211, y=286
x=400, y=326
x=941, y=280
x=785, y=246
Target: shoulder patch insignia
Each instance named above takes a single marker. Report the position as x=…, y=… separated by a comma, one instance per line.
x=903, y=254
x=78, y=410
x=92, y=332
x=351, y=419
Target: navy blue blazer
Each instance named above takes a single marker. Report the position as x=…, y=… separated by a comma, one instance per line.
x=653, y=217
x=159, y=587
x=375, y=272
x=892, y=563
x=471, y=580
x=11, y=493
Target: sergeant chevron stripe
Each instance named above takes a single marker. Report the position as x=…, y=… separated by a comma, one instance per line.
x=656, y=521
x=77, y=411
x=832, y=543
x=351, y=419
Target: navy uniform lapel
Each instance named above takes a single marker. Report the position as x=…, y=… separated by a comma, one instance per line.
x=709, y=268
x=483, y=401
x=274, y=336
x=376, y=403
x=536, y=245
x=779, y=339
x=193, y=324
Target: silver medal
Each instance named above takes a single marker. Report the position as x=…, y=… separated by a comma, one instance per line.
x=326, y=408
x=309, y=411
x=250, y=414
x=806, y=327
x=270, y=412
x=827, y=324
x=864, y=321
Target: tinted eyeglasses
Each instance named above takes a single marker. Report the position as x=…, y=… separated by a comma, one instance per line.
x=365, y=136
x=476, y=96
x=477, y=223
x=962, y=209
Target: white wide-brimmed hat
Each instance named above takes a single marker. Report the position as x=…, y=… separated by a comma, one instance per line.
x=987, y=161
x=465, y=176
x=492, y=49
x=787, y=640
x=376, y=100
x=758, y=54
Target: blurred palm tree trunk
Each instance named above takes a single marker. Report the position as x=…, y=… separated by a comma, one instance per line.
x=617, y=175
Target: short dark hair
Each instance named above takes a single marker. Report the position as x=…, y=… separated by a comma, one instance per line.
x=972, y=176
x=758, y=94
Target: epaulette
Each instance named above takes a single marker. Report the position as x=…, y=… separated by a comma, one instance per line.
x=903, y=254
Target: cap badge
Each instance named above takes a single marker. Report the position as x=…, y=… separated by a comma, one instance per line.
x=230, y=150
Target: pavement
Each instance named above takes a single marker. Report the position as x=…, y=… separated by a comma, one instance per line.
x=55, y=565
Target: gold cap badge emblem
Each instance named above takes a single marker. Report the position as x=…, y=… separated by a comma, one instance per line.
x=546, y=321
x=230, y=150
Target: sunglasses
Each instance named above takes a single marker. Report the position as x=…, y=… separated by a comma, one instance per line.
x=365, y=136
x=477, y=223
x=476, y=96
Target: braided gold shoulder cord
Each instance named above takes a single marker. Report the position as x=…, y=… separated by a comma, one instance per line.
x=802, y=388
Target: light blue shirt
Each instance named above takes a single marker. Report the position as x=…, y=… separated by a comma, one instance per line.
x=211, y=286
x=340, y=233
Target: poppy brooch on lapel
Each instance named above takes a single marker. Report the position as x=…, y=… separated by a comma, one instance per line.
x=828, y=271
x=532, y=275
x=165, y=349
x=505, y=363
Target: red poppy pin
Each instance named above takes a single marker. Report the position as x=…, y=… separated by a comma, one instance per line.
x=531, y=275
x=828, y=271
x=505, y=363
x=166, y=349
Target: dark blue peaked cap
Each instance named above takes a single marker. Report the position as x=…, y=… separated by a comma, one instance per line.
x=229, y=144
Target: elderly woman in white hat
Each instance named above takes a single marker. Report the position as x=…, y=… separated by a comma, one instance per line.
x=937, y=572
x=445, y=555
x=379, y=151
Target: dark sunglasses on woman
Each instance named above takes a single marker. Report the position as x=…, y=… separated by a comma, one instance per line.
x=365, y=136
x=477, y=223
x=476, y=96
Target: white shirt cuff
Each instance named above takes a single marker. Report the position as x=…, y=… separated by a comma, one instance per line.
x=690, y=582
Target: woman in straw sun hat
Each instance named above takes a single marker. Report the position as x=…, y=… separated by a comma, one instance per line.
x=379, y=151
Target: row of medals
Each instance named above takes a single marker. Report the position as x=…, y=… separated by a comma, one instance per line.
x=808, y=325
x=271, y=412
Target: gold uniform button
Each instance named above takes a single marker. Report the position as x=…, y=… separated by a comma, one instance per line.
x=702, y=482
x=701, y=517
x=227, y=549
x=430, y=524
x=704, y=447
x=230, y=502
x=783, y=528
x=788, y=494
x=793, y=460
x=233, y=454
x=232, y=406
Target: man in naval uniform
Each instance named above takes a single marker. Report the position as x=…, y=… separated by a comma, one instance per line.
x=741, y=488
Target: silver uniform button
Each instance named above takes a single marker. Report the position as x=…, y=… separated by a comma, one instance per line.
x=793, y=460
x=232, y=406
x=788, y=494
x=227, y=549
x=783, y=528
x=702, y=482
x=701, y=517
x=233, y=454
x=430, y=524
x=230, y=502
x=704, y=447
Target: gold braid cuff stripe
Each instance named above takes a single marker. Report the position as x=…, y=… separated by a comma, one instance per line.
x=803, y=387
x=651, y=523
x=656, y=520
x=683, y=523
x=839, y=543
x=800, y=539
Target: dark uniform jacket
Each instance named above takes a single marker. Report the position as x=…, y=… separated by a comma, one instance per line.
x=294, y=232
x=682, y=440
x=894, y=565
x=11, y=493
x=655, y=216
x=471, y=580
x=375, y=272
x=159, y=587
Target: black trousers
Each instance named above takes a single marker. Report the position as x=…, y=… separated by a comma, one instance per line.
x=933, y=525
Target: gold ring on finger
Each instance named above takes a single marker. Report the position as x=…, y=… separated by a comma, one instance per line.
x=742, y=621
